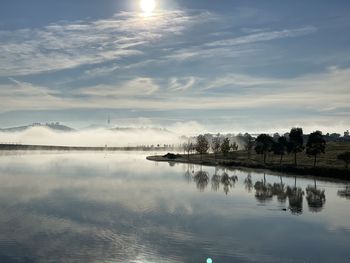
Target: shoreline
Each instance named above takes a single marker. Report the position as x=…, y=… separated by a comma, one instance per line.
x=322, y=172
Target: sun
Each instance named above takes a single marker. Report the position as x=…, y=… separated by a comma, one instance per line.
x=147, y=6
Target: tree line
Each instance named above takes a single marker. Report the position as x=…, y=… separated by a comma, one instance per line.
x=264, y=144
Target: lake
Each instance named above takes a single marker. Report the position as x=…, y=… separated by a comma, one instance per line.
x=119, y=207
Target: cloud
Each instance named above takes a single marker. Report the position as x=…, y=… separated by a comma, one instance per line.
x=203, y=53
x=264, y=36
x=240, y=80
x=308, y=91
x=69, y=45
x=178, y=84
x=237, y=46
x=136, y=87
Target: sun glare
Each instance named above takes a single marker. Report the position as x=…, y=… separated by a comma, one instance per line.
x=147, y=6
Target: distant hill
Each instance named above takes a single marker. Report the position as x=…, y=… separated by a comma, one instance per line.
x=53, y=126
x=59, y=127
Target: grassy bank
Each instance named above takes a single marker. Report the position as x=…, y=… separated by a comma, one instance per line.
x=327, y=164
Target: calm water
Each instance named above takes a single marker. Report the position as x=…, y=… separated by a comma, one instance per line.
x=119, y=207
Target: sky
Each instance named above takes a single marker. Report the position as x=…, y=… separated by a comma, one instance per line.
x=218, y=66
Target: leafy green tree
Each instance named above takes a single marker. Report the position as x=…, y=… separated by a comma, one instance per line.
x=280, y=147
x=345, y=157
x=202, y=145
x=315, y=145
x=263, y=145
x=225, y=146
x=296, y=142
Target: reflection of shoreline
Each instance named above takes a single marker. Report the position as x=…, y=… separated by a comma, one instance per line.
x=264, y=191
x=305, y=171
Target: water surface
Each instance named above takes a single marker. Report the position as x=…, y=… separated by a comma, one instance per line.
x=119, y=207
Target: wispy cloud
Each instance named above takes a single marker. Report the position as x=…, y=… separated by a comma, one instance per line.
x=136, y=87
x=69, y=45
x=237, y=46
x=263, y=36
x=238, y=80
x=178, y=84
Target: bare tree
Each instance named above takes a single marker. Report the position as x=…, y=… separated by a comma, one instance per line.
x=188, y=147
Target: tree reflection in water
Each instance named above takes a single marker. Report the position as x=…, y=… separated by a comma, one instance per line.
x=189, y=172
x=345, y=192
x=228, y=182
x=215, y=181
x=248, y=182
x=264, y=191
x=280, y=191
x=202, y=179
x=295, y=197
x=315, y=198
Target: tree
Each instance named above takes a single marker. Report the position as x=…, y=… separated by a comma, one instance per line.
x=263, y=145
x=234, y=146
x=225, y=146
x=216, y=144
x=202, y=145
x=280, y=147
x=296, y=142
x=345, y=157
x=248, y=144
x=188, y=146
x=315, y=145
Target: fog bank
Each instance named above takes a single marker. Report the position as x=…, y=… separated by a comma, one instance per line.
x=94, y=137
